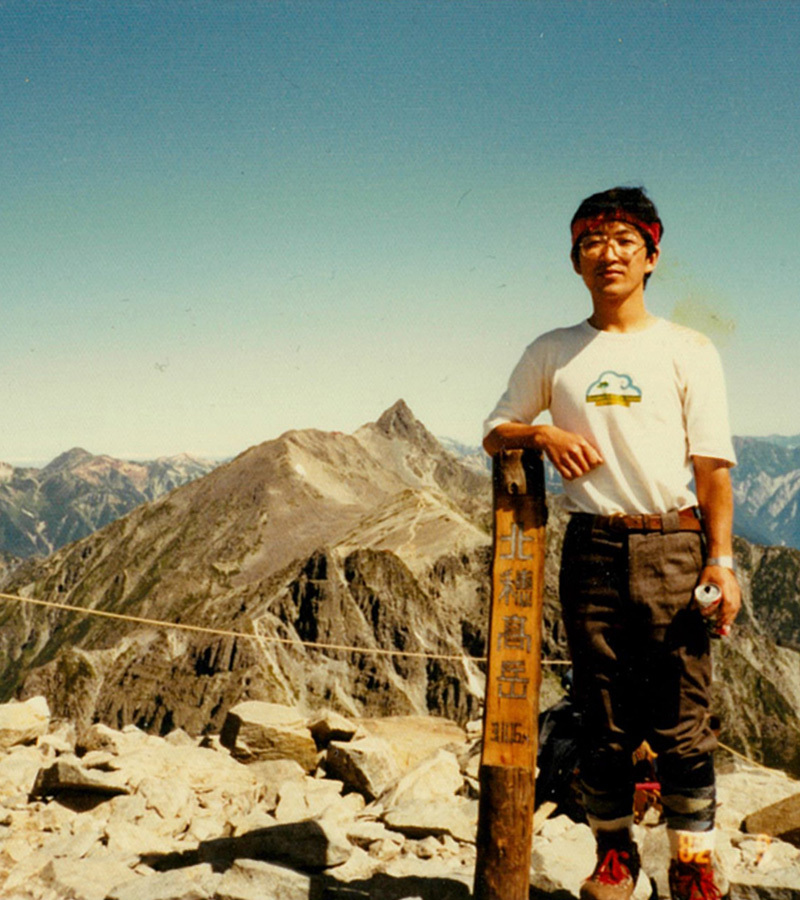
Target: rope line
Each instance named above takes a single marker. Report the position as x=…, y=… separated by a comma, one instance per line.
x=256, y=636
x=747, y=759
x=317, y=645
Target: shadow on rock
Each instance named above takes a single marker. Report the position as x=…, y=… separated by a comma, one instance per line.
x=307, y=846
x=387, y=887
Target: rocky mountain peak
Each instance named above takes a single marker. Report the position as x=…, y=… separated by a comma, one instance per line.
x=67, y=460
x=399, y=422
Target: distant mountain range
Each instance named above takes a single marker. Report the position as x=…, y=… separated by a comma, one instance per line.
x=77, y=493
x=374, y=542
x=43, y=509
x=766, y=486
x=780, y=440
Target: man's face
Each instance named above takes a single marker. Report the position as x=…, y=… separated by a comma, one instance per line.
x=613, y=260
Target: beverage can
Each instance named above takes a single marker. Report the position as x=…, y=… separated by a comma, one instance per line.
x=707, y=597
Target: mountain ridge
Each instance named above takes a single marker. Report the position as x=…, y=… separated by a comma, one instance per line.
x=76, y=493
x=41, y=509
x=233, y=548
x=378, y=540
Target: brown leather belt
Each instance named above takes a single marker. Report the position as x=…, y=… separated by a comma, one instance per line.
x=687, y=520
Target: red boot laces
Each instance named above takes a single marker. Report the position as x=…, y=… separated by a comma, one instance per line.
x=690, y=881
x=614, y=868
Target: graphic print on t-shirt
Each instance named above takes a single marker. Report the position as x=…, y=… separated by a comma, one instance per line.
x=613, y=389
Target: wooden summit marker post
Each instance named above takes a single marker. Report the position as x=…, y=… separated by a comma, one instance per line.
x=511, y=709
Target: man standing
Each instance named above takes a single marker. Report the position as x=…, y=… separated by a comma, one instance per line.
x=638, y=410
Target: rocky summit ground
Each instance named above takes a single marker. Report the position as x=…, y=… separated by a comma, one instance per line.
x=282, y=807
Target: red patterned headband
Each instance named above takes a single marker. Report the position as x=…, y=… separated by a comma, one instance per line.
x=581, y=226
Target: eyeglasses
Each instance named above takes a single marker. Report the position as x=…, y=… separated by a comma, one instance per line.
x=625, y=246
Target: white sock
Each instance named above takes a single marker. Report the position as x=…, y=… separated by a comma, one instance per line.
x=688, y=846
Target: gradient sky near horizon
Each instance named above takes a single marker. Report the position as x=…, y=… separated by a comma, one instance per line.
x=223, y=220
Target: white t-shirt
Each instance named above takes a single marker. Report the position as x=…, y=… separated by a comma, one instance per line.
x=647, y=400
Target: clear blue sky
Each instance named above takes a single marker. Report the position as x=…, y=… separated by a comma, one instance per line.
x=222, y=220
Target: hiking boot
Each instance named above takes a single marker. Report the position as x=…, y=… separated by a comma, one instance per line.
x=614, y=876
x=694, y=881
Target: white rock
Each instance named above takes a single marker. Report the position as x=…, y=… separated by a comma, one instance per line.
x=767, y=868
x=250, y=879
x=436, y=778
x=457, y=817
x=449, y=846
x=60, y=740
x=179, y=738
x=258, y=818
x=101, y=737
x=427, y=848
x=68, y=846
x=127, y=808
x=312, y=798
x=131, y=841
x=744, y=788
x=359, y=867
x=22, y=723
x=101, y=759
x=365, y=833
x=342, y=809
x=85, y=879
x=55, y=818
x=366, y=765
x=190, y=883
x=270, y=775
x=292, y=804
x=18, y=770
x=174, y=802
x=190, y=800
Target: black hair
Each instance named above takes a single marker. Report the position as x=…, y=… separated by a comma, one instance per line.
x=632, y=200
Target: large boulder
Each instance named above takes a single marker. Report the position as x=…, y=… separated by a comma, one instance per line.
x=311, y=845
x=781, y=820
x=413, y=738
x=67, y=775
x=255, y=730
x=329, y=726
x=251, y=879
x=436, y=778
x=366, y=765
x=457, y=817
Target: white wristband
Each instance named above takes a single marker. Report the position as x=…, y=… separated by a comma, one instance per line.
x=725, y=561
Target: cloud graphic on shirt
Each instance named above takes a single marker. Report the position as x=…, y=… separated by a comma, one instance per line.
x=613, y=389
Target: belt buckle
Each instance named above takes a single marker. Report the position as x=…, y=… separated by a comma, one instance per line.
x=616, y=522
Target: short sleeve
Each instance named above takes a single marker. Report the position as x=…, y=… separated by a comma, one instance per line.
x=528, y=391
x=706, y=405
